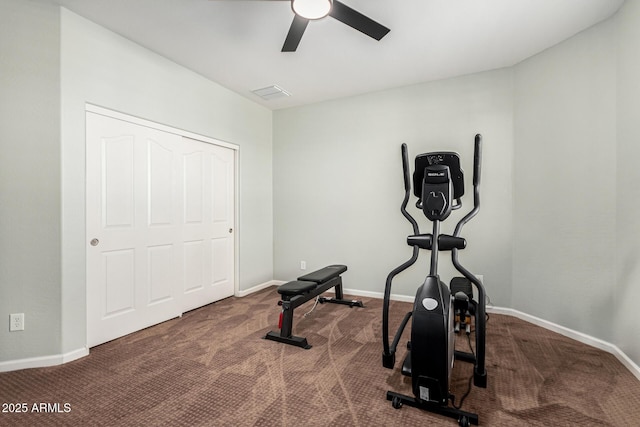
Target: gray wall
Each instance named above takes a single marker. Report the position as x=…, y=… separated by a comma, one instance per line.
x=30, y=177
x=338, y=180
x=565, y=183
x=627, y=290
x=577, y=198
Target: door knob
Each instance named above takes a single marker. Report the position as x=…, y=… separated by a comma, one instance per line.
x=231, y=230
x=94, y=242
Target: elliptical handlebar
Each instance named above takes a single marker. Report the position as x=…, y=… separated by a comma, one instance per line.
x=480, y=374
x=388, y=355
x=407, y=189
x=405, y=169
x=477, y=160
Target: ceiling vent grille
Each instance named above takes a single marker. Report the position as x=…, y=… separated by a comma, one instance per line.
x=271, y=92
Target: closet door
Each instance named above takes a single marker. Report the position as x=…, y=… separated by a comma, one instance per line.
x=160, y=226
x=132, y=227
x=208, y=173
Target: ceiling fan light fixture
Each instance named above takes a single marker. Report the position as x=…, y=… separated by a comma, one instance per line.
x=311, y=9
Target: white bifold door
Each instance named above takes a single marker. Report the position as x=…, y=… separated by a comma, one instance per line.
x=160, y=226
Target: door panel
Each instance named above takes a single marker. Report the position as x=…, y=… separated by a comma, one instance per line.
x=161, y=274
x=117, y=181
x=119, y=281
x=161, y=188
x=220, y=199
x=193, y=266
x=220, y=252
x=193, y=179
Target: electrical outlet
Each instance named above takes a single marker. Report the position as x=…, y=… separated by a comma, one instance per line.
x=16, y=322
x=303, y=265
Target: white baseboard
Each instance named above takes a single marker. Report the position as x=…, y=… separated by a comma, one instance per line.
x=570, y=333
x=43, y=361
x=370, y=294
x=378, y=295
x=261, y=286
x=628, y=363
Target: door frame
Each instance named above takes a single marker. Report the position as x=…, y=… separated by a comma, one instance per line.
x=96, y=109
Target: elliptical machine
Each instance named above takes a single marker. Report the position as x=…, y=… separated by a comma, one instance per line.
x=438, y=311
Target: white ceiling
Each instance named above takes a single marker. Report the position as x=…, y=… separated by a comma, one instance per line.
x=237, y=43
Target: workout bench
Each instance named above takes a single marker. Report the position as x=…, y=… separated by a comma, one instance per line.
x=307, y=287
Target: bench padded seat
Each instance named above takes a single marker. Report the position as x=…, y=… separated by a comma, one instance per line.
x=324, y=274
x=296, y=288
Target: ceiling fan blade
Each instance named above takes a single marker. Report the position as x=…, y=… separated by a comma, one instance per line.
x=355, y=19
x=296, y=31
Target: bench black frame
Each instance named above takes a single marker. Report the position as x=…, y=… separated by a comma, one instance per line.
x=290, y=302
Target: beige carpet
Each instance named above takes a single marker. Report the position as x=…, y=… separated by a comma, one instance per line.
x=212, y=368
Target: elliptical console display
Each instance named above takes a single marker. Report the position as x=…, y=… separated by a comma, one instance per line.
x=439, y=311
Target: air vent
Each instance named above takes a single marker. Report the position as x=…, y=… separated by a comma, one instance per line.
x=271, y=92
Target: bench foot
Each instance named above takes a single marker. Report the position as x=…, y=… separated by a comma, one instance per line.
x=292, y=340
x=349, y=302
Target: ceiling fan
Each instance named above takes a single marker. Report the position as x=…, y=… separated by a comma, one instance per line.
x=309, y=10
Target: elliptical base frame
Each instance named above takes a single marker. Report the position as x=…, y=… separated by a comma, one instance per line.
x=397, y=400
